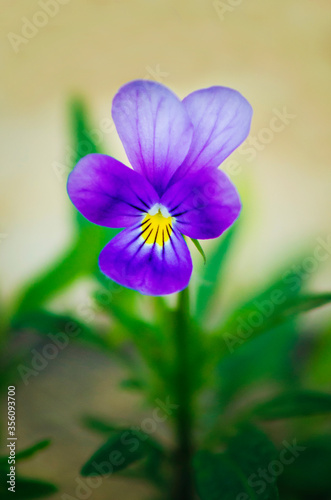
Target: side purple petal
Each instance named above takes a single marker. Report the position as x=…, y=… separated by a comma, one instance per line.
x=148, y=268
x=221, y=117
x=155, y=129
x=108, y=193
x=204, y=204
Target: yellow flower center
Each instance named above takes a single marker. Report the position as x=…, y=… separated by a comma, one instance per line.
x=156, y=228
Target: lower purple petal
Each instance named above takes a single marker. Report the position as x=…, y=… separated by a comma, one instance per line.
x=151, y=269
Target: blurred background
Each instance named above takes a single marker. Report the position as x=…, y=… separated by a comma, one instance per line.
x=276, y=53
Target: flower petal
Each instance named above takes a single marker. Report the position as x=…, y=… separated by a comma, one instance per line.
x=154, y=128
x=108, y=193
x=204, y=203
x=150, y=268
x=221, y=117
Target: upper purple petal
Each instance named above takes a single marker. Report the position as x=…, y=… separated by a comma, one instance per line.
x=108, y=193
x=204, y=203
x=221, y=117
x=150, y=269
x=155, y=129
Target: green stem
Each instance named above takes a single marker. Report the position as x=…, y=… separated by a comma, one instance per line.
x=184, y=480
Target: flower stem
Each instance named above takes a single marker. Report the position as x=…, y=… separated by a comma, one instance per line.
x=184, y=478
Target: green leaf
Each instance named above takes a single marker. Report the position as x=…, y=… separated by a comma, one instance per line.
x=212, y=270
x=80, y=260
x=236, y=357
x=274, y=337
x=132, y=384
x=27, y=488
x=199, y=248
x=218, y=478
x=304, y=303
x=152, y=470
x=117, y=453
x=99, y=425
x=80, y=130
x=239, y=372
x=45, y=322
x=153, y=453
x=241, y=327
x=255, y=312
x=234, y=474
x=317, y=368
x=8, y=369
x=251, y=450
x=308, y=474
x=149, y=339
x=27, y=453
x=294, y=404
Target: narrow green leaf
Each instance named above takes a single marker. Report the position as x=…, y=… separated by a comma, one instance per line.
x=234, y=473
x=80, y=260
x=305, y=303
x=117, y=453
x=105, y=427
x=80, y=130
x=218, y=478
x=267, y=316
x=132, y=384
x=45, y=322
x=153, y=454
x=101, y=426
x=308, y=475
x=265, y=304
x=152, y=469
x=32, y=450
x=236, y=357
x=294, y=404
x=199, y=248
x=271, y=326
x=27, y=453
x=317, y=369
x=239, y=370
x=212, y=270
x=251, y=450
x=149, y=339
x=8, y=369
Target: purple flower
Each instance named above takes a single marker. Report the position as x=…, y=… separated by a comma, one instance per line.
x=174, y=189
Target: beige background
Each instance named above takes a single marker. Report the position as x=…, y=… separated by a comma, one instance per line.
x=277, y=53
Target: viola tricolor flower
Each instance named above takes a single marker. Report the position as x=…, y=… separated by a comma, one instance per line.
x=174, y=188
